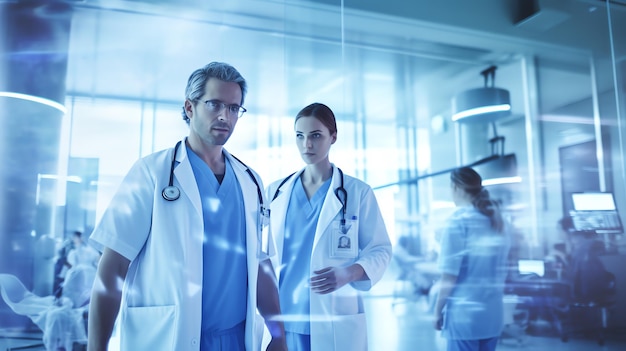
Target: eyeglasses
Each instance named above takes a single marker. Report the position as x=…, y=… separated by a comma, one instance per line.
x=216, y=106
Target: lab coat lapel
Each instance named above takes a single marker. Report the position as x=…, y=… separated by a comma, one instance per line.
x=330, y=208
x=250, y=199
x=249, y=190
x=279, y=214
x=184, y=174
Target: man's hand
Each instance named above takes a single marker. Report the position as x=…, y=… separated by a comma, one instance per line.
x=268, y=304
x=277, y=344
x=106, y=296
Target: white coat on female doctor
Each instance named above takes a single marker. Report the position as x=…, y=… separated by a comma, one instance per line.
x=343, y=326
x=162, y=296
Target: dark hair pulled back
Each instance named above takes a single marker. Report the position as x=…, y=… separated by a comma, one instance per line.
x=471, y=182
x=322, y=112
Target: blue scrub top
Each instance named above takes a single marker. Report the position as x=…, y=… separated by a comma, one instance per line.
x=294, y=290
x=225, y=274
x=477, y=255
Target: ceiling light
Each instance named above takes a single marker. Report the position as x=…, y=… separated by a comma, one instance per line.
x=502, y=180
x=482, y=104
x=36, y=99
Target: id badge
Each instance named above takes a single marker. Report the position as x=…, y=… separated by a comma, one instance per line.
x=263, y=240
x=344, y=239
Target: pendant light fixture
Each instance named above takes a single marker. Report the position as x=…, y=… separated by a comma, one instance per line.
x=482, y=104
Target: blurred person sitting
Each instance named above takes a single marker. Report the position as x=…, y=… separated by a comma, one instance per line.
x=577, y=250
x=558, y=258
x=62, y=318
x=407, y=260
x=82, y=253
x=61, y=265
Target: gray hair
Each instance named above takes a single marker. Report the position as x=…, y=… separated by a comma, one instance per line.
x=198, y=79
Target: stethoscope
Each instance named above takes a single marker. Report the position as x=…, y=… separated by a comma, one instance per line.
x=340, y=193
x=342, y=196
x=172, y=193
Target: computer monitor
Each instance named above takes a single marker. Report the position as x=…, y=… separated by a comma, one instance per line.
x=593, y=201
x=596, y=212
x=537, y=267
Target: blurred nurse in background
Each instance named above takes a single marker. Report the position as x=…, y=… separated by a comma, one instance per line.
x=474, y=248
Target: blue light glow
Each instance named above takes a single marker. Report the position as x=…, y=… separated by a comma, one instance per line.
x=33, y=98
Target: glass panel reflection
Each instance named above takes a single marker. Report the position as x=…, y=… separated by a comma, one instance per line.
x=389, y=71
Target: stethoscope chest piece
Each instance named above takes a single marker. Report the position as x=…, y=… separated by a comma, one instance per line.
x=170, y=193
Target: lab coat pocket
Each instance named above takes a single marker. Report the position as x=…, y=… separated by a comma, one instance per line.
x=350, y=332
x=149, y=328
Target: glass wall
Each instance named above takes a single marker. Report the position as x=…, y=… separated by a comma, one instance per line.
x=390, y=71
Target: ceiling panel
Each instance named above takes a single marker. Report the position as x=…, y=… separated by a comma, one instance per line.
x=145, y=50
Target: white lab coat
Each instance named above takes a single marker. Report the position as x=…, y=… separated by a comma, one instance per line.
x=162, y=296
x=344, y=327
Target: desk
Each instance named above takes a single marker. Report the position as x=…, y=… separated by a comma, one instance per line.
x=544, y=298
x=539, y=286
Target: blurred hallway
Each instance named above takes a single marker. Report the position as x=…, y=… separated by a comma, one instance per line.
x=408, y=326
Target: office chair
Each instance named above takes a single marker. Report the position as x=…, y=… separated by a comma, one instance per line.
x=515, y=320
x=594, y=294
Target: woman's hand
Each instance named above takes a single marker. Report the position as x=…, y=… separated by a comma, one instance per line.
x=438, y=321
x=447, y=282
x=329, y=279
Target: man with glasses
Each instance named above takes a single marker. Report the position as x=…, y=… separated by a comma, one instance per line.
x=183, y=237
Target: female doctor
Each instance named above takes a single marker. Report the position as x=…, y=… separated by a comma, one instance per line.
x=331, y=243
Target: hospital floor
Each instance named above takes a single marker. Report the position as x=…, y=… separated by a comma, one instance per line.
x=397, y=324
x=405, y=325
x=10, y=341
x=408, y=328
